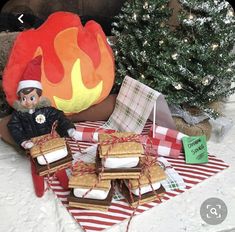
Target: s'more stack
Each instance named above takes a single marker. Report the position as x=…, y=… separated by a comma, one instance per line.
x=148, y=187
x=88, y=191
x=118, y=160
x=50, y=154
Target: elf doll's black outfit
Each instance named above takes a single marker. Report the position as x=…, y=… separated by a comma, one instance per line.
x=25, y=125
x=28, y=122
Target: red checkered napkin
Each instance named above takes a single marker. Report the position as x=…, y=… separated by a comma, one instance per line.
x=90, y=134
x=166, y=142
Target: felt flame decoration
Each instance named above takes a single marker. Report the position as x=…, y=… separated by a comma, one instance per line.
x=77, y=65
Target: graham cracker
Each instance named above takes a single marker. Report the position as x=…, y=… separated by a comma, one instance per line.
x=89, y=206
x=46, y=147
x=87, y=180
x=155, y=173
x=123, y=149
x=124, y=175
x=145, y=198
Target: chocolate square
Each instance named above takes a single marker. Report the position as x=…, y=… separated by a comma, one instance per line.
x=88, y=203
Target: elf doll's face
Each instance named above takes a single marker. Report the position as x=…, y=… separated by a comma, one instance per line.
x=30, y=100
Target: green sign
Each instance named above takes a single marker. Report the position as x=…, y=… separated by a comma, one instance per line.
x=195, y=149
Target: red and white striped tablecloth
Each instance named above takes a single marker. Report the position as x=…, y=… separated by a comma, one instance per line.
x=91, y=220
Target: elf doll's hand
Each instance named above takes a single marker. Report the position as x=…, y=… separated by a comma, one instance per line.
x=74, y=134
x=27, y=144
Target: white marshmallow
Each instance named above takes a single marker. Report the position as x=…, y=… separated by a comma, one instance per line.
x=126, y=162
x=93, y=194
x=52, y=156
x=144, y=189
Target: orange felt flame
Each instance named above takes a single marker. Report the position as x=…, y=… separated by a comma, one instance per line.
x=77, y=66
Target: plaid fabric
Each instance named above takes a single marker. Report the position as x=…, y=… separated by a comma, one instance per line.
x=90, y=134
x=167, y=134
x=174, y=180
x=133, y=106
x=158, y=147
x=167, y=142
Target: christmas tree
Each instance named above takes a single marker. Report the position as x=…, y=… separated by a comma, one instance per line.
x=140, y=30
x=191, y=64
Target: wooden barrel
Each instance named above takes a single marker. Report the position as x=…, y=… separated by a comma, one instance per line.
x=202, y=128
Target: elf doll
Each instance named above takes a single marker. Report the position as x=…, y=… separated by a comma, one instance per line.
x=34, y=116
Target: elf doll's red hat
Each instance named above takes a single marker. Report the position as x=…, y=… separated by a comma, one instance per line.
x=31, y=77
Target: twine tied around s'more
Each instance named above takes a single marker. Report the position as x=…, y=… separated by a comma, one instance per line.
x=112, y=140
x=40, y=142
x=145, y=140
x=145, y=170
x=80, y=168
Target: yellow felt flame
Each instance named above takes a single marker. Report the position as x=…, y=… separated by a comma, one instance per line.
x=82, y=97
